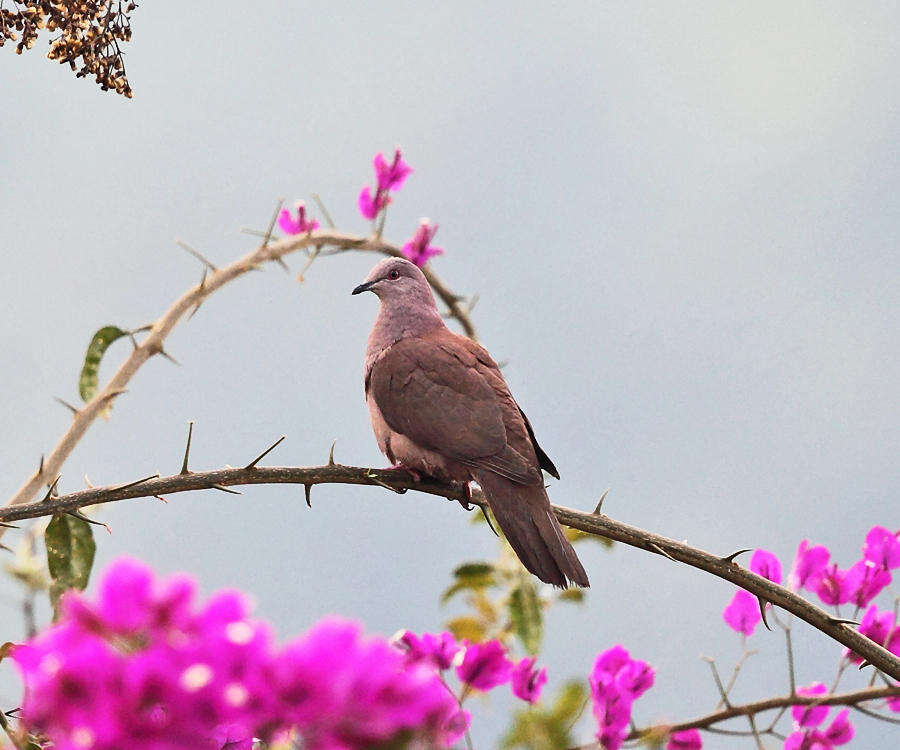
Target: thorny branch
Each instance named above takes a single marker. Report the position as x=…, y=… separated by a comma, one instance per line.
x=400, y=481
x=214, y=279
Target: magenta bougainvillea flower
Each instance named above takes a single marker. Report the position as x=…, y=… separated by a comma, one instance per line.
x=298, y=225
x=484, y=665
x=419, y=249
x=877, y=626
x=810, y=716
x=864, y=581
x=809, y=562
x=390, y=178
x=617, y=681
x=437, y=649
x=765, y=564
x=146, y=666
x=831, y=585
x=686, y=739
x=882, y=547
x=839, y=732
x=742, y=613
x=527, y=682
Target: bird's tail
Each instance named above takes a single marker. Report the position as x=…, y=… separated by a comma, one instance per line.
x=531, y=528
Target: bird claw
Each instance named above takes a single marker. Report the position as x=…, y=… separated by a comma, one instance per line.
x=466, y=502
x=417, y=477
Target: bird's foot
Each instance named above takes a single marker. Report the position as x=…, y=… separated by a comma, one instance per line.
x=417, y=477
x=467, y=500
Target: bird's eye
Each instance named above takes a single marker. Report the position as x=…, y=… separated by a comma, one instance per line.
x=395, y=274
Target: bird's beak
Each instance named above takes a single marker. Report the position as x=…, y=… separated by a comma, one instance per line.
x=363, y=287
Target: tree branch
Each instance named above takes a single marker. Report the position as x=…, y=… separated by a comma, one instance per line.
x=215, y=279
x=399, y=480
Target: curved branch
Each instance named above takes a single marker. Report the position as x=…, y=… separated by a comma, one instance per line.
x=399, y=480
x=159, y=331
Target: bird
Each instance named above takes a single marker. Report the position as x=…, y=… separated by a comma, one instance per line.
x=440, y=407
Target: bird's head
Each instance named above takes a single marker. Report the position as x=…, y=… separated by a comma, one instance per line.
x=396, y=279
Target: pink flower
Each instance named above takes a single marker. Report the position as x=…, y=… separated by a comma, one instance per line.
x=882, y=548
x=840, y=731
x=831, y=585
x=742, y=614
x=765, y=564
x=527, y=682
x=864, y=581
x=419, y=249
x=810, y=716
x=875, y=626
x=484, y=665
x=616, y=682
x=807, y=564
x=391, y=176
x=300, y=225
x=686, y=739
x=435, y=649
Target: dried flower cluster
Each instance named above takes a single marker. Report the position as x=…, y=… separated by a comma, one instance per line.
x=88, y=35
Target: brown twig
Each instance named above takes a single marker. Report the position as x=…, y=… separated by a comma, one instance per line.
x=590, y=523
x=214, y=280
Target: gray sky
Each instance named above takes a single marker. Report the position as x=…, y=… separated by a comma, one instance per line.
x=681, y=219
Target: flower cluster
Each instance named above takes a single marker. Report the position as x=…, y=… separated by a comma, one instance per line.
x=144, y=667
x=300, y=225
x=808, y=733
x=617, y=681
x=812, y=570
x=479, y=666
x=419, y=249
x=389, y=178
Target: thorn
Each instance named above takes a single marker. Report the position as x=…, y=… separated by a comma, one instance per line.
x=8, y=549
x=187, y=449
x=372, y=477
x=222, y=488
x=307, y=488
x=600, y=503
x=81, y=517
x=762, y=611
x=52, y=489
x=198, y=256
x=87, y=481
x=473, y=300
x=133, y=331
x=12, y=711
x=660, y=551
x=842, y=621
x=41, y=465
x=331, y=454
x=262, y=455
x=268, y=237
x=325, y=214
x=730, y=558
x=112, y=394
x=9, y=525
x=135, y=482
x=160, y=497
x=202, y=287
x=69, y=406
x=168, y=356
x=866, y=663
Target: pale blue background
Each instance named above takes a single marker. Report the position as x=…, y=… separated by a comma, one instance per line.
x=681, y=218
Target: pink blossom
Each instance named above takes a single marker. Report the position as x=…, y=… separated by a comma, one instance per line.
x=840, y=731
x=686, y=739
x=370, y=205
x=807, y=564
x=742, y=613
x=864, y=581
x=616, y=682
x=810, y=716
x=831, y=585
x=882, y=547
x=437, y=649
x=391, y=176
x=765, y=564
x=875, y=626
x=894, y=703
x=484, y=665
x=300, y=225
x=419, y=249
x=527, y=682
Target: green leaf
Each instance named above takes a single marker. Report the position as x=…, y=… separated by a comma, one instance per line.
x=577, y=535
x=468, y=628
x=472, y=576
x=573, y=594
x=527, y=618
x=569, y=701
x=87, y=381
x=70, y=554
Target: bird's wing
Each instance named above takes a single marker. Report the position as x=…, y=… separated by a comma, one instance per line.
x=441, y=396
